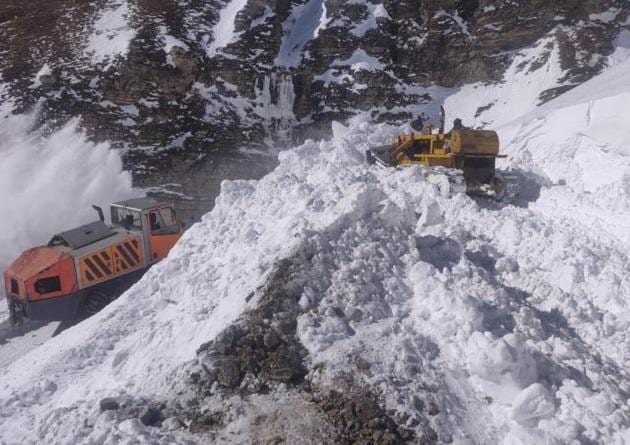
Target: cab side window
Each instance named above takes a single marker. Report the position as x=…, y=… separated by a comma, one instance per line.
x=129, y=219
x=163, y=222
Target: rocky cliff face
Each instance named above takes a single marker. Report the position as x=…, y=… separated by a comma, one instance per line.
x=192, y=86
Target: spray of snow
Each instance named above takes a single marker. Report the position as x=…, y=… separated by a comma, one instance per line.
x=302, y=25
x=48, y=182
x=224, y=31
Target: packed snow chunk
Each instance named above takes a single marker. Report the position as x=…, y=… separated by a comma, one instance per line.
x=110, y=34
x=431, y=214
x=532, y=404
x=506, y=365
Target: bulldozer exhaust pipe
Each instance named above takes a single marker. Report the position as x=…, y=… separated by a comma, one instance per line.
x=100, y=212
x=442, y=119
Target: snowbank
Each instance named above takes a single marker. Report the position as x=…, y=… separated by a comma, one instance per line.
x=580, y=142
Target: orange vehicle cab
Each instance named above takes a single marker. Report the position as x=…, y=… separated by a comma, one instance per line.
x=52, y=282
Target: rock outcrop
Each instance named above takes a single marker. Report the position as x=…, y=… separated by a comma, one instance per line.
x=192, y=82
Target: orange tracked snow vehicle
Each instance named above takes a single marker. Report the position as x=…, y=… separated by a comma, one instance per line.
x=81, y=270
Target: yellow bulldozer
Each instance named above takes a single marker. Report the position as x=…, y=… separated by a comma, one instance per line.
x=472, y=152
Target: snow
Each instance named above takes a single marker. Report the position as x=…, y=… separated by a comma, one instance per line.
x=581, y=139
x=533, y=70
x=170, y=42
x=302, y=25
x=110, y=35
x=57, y=191
x=374, y=12
x=44, y=71
x=622, y=48
x=224, y=31
x=263, y=18
x=358, y=61
x=606, y=16
x=514, y=320
x=361, y=61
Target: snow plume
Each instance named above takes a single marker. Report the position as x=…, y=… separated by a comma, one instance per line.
x=48, y=182
x=507, y=324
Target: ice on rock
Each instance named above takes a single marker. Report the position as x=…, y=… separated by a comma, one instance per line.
x=532, y=404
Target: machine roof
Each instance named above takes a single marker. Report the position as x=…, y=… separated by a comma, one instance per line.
x=84, y=235
x=139, y=203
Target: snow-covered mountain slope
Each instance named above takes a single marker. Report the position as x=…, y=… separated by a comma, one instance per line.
x=577, y=144
x=189, y=83
x=331, y=301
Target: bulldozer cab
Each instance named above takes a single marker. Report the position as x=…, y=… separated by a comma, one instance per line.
x=157, y=221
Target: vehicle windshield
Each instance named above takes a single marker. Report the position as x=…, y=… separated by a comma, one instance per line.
x=127, y=218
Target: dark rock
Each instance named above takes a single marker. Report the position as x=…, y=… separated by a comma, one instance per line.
x=433, y=409
x=229, y=373
x=48, y=80
x=108, y=404
x=151, y=416
x=271, y=340
x=225, y=341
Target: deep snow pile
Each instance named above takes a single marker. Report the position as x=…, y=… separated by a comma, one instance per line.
x=510, y=324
